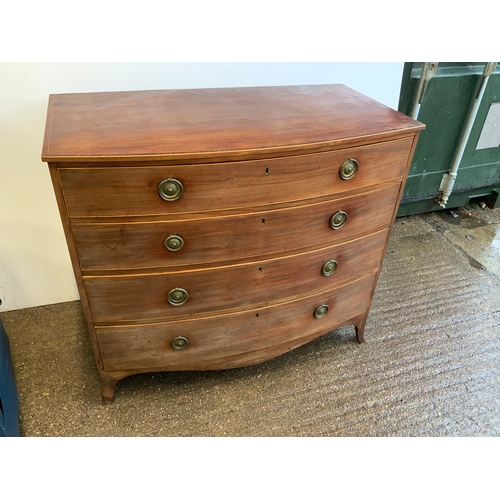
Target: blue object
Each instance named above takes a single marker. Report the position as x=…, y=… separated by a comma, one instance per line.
x=9, y=401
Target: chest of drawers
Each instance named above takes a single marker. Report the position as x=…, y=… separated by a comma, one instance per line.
x=219, y=228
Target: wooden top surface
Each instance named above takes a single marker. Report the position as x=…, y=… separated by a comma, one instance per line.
x=236, y=123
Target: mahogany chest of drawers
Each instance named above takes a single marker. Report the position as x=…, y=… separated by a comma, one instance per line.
x=218, y=228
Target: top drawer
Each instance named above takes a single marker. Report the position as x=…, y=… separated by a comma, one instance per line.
x=129, y=191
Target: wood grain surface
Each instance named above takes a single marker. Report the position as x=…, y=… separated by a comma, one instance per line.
x=115, y=191
x=232, y=340
x=229, y=123
x=143, y=297
x=138, y=246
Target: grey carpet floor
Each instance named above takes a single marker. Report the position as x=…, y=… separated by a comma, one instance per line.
x=430, y=366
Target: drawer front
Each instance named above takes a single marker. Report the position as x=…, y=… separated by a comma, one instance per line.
x=221, y=239
x=130, y=191
x=232, y=340
x=217, y=290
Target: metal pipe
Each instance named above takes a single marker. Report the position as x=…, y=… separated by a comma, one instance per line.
x=428, y=71
x=448, y=180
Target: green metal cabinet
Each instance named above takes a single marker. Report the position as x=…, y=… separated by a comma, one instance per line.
x=448, y=98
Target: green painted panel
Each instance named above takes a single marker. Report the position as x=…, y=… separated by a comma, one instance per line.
x=489, y=157
x=448, y=99
x=468, y=178
x=457, y=199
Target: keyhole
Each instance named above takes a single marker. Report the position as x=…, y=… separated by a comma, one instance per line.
x=260, y=269
x=267, y=171
x=257, y=315
x=263, y=221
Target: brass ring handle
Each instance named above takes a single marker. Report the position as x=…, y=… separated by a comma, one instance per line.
x=338, y=219
x=329, y=267
x=173, y=243
x=348, y=169
x=170, y=189
x=177, y=296
x=179, y=343
x=321, y=311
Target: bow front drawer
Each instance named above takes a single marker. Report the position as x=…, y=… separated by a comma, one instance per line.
x=204, y=240
x=161, y=190
x=173, y=295
x=232, y=340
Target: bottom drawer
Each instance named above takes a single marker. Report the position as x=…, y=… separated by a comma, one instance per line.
x=232, y=340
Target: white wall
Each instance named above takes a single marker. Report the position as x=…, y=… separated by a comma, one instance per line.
x=34, y=262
